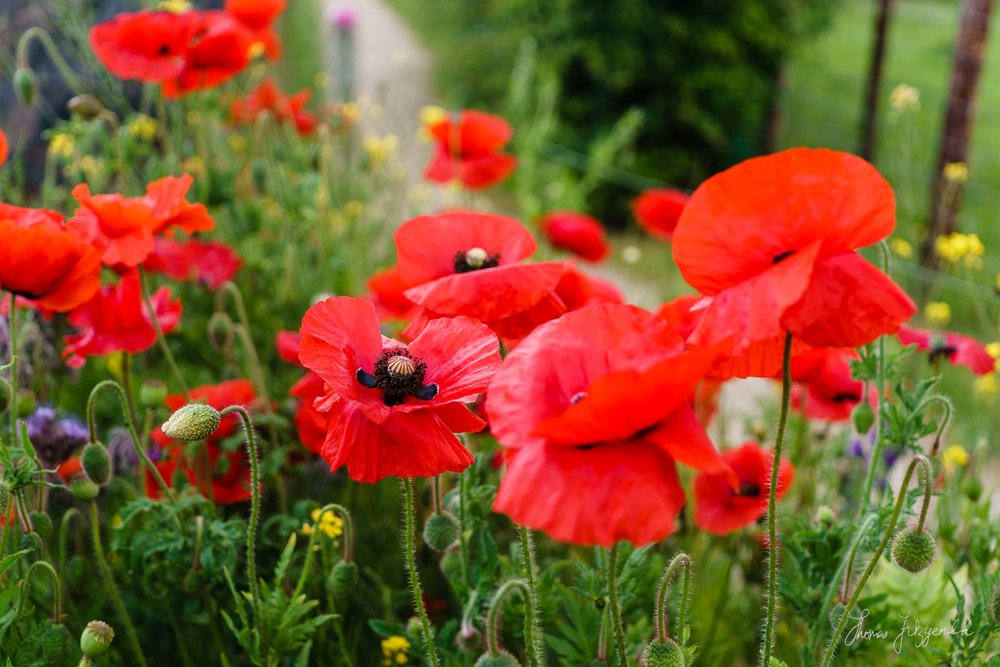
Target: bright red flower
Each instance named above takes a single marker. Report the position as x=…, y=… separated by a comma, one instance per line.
x=310, y=423
x=955, y=347
x=219, y=50
x=592, y=410
x=209, y=262
x=682, y=314
x=287, y=343
x=467, y=263
x=4, y=148
x=267, y=98
x=386, y=288
x=116, y=320
x=720, y=508
x=257, y=16
x=147, y=45
x=578, y=289
x=824, y=375
x=53, y=267
x=580, y=234
x=230, y=471
x=167, y=198
x=469, y=150
x=772, y=241
x=394, y=408
x=658, y=210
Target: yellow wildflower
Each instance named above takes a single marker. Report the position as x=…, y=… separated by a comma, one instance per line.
x=938, y=312
x=957, y=246
x=956, y=172
x=116, y=521
x=256, y=50
x=61, y=145
x=901, y=247
x=174, y=6
x=904, y=97
x=993, y=349
x=194, y=165
x=354, y=209
x=330, y=524
x=350, y=112
x=394, y=650
x=306, y=529
x=142, y=127
x=380, y=149
x=986, y=385
x=955, y=456
x=92, y=167
x=432, y=115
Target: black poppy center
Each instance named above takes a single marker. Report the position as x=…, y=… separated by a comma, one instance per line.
x=474, y=259
x=942, y=351
x=164, y=50
x=749, y=489
x=781, y=256
x=398, y=374
x=846, y=397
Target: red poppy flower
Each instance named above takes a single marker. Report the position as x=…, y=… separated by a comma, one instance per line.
x=467, y=263
x=219, y=50
x=578, y=289
x=824, y=377
x=310, y=423
x=230, y=471
x=267, y=98
x=167, y=199
x=4, y=148
x=287, y=343
x=147, y=45
x=44, y=262
x=955, y=347
x=576, y=232
x=210, y=262
x=721, y=509
x=257, y=16
x=386, y=290
x=772, y=241
x=683, y=316
x=592, y=411
x=658, y=210
x=469, y=150
x=115, y=320
x=393, y=409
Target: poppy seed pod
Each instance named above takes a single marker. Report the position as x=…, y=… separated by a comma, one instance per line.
x=440, y=531
x=663, y=653
x=863, y=417
x=194, y=421
x=913, y=550
x=343, y=578
x=96, y=463
x=96, y=638
x=501, y=659
x=25, y=85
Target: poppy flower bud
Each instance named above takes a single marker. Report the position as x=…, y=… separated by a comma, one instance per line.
x=85, y=106
x=451, y=565
x=54, y=642
x=913, y=550
x=343, y=578
x=42, y=523
x=863, y=417
x=440, y=531
x=501, y=659
x=973, y=489
x=663, y=653
x=25, y=85
x=96, y=463
x=179, y=479
x=825, y=515
x=995, y=605
x=96, y=638
x=152, y=393
x=4, y=498
x=32, y=542
x=26, y=403
x=83, y=488
x=194, y=421
x=469, y=638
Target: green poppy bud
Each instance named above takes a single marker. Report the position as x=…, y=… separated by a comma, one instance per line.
x=501, y=659
x=26, y=403
x=825, y=515
x=96, y=463
x=663, y=653
x=441, y=531
x=152, y=393
x=42, y=523
x=54, y=643
x=96, y=638
x=25, y=85
x=995, y=604
x=451, y=565
x=913, y=550
x=85, y=106
x=972, y=487
x=33, y=543
x=83, y=488
x=194, y=421
x=863, y=417
x=343, y=578
x=5, y=496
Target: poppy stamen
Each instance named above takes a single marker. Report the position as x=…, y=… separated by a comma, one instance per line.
x=782, y=255
x=749, y=489
x=474, y=259
x=398, y=374
x=846, y=397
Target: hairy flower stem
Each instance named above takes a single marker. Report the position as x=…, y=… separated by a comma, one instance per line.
x=873, y=464
x=493, y=616
x=616, y=612
x=410, y=531
x=254, y=507
x=767, y=645
x=56, y=589
x=74, y=82
x=918, y=460
x=160, y=338
x=662, y=629
x=532, y=623
x=12, y=405
x=109, y=586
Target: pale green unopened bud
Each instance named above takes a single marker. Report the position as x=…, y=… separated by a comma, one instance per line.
x=501, y=659
x=96, y=638
x=25, y=85
x=663, y=653
x=96, y=463
x=863, y=417
x=195, y=421
x=440, y=531
x=42, y=523
x=26, y=403
x=913, y=550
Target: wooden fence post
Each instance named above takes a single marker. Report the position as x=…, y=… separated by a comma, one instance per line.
x=869, y=121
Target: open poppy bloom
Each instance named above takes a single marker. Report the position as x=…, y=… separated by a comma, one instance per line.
x=394, y=408
x=386, y=290
x=149, y=45
x=467, y=263
x=825, y=388
x=592, y=412
x=258, y=16
x=51, y=266
x=211, y=263
x=469, y=150
x=115, y=320
x=682, y=315
x=4, y=148
x=581, y=234
x=219, y=50
x=955, y=347
x=721, y=509
x=578, y=289
x=658, y=210
x=771, y=241
x=267, y=98
x=229, y=471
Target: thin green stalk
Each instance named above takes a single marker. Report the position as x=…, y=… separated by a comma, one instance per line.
x=616, y=612
x=890, y=529
x=109, y=586
x=463, y=545
x=410, y=530
x=12, y=405
x=532, y=623
x=493, y=616
x=56, y=589
x=662, y=629
x=767, y=646
x=160, y=338
x=68, y=74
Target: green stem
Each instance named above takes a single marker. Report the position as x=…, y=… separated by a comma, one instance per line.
x=463, y=544
x=616, y=612
x=662, y=629
x=410, y=530
x=109, y=586
x=160, y=338
x=532, y=623
x=944, y=422
x=922, y=461
x=69, y=76
x=56, y=589
x=348, y=543
x=493, y=616
x=12, y=406
x=879, y=444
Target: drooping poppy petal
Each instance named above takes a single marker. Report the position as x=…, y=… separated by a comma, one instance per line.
x=211, y=263
x=120, y=228
x=658, y=210
x=580, y=234
x=310, y=423
x=149, y=45
x=166, y=199
x=957, y=348
x=474, y=172
x=219, y=50
x=287, y=344
x=257, y=16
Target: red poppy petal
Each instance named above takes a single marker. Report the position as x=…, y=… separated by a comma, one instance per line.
x=287, y=343
x=459, y=418
x=461, y=356
x=848, y=303
x=339, y=336
x=523, y=323
x=682, y=437
x=595, y=496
